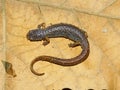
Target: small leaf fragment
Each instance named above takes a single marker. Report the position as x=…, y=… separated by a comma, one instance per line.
x=8, y=68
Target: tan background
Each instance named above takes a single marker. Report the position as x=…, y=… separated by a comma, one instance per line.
x=101, y=20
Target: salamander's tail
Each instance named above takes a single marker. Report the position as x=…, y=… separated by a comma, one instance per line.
x=41, y=58
x=63, y=62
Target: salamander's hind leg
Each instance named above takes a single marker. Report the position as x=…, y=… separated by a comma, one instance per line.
x=46, y=41
x=41, y=26
x=74, y=44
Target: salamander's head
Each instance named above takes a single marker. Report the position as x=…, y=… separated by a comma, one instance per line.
x=35, y=35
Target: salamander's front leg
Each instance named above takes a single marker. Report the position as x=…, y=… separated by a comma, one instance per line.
x=74, y=44
x=41, y=26
x=46, y=41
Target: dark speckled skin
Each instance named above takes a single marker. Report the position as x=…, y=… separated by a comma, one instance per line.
x=61, y=30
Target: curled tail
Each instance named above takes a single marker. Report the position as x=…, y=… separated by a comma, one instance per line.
x=63, y=62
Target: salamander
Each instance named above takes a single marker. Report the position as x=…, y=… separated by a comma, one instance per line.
x=68, y=31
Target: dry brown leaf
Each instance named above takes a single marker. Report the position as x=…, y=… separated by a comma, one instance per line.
x=101, y=20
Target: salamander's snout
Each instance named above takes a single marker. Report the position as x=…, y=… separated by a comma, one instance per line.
x=32, y=35
x=29, y=35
